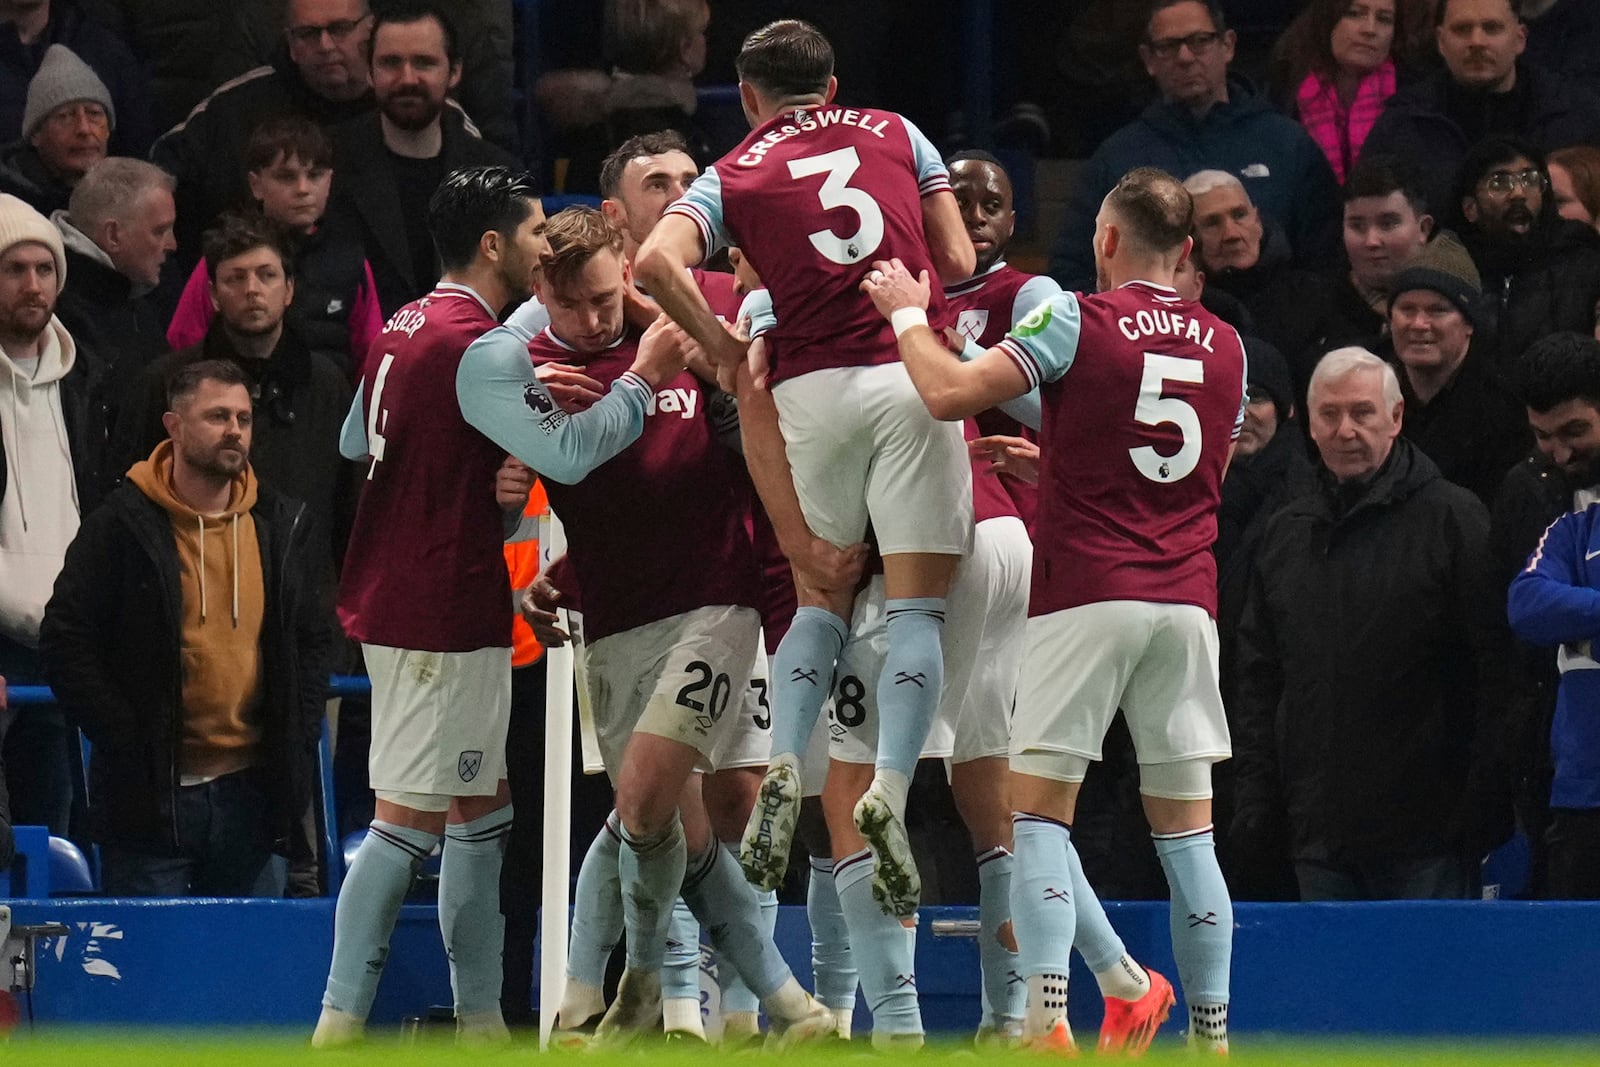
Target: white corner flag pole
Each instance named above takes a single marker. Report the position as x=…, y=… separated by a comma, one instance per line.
x=557, y=806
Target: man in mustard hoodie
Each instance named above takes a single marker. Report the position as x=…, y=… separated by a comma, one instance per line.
x=185, y=640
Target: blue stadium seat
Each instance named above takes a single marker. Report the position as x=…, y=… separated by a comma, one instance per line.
x=69, y=869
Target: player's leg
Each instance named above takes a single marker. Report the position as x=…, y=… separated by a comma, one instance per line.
x=1174, y=711
x=833, y=968
x=882, y=945
x=981, y=790
x=469, y=910
x=680, y=975
x=597, y=927
x=829, y=449
x=919, y=497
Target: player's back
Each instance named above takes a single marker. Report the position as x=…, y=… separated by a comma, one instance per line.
x=424, y=569
x=812, y=198
x=660, y=528
x=1135, y=440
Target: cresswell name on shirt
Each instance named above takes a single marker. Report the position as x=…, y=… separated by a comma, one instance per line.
x=809, y=121
x=1153, y=322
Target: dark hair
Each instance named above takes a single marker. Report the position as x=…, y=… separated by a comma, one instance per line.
x=185, y=381
x=642, y=144
x=235, y=233
x=786, y=58
x=577, y=234
x=647, y=35
x=1381, y=175
x=470, y=202
x=1444, y=5
x=977, y=155
x=1489, y=153
x=1154, y=208
x=289, y=136
x=1307, y=45
x=407, y=12
x=1219, y=20
x=1557, y=368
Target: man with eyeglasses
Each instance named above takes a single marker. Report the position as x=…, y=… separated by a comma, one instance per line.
x=320, y=72
x=1543, y=271
x=1205, y=120
x=1487, y=88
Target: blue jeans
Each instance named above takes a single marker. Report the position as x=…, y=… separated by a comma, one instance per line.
x=224, y=847
x=1426, y=878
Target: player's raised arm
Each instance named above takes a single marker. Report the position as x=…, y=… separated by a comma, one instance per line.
x=950, y=388
x=682, y=238
x=502, y=398
x=948, y=243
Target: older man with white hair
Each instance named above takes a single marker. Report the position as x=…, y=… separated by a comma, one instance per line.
x=1383, y=782
x=1247, y=255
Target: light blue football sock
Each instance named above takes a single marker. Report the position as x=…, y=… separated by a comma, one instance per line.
x=833, y=968
x=1097, y=942
x=651, y=870
x=736, y=996
x=369, y=904
x=469, y=909
x=1202, y=916
x=727, y=907
x=883, y=949
x=597, y=923
x=909, y=687
x=802, y=671
x=1005, y=991
x=680, y=969
x=1042, y=910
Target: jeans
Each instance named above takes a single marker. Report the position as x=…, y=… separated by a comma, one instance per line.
x=1574, y=841
x=1427, y=878
x=224, y=847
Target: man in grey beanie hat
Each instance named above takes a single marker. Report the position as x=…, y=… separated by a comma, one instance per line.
x=66, y=127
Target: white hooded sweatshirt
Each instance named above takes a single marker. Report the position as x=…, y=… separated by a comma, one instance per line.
x=39, y=514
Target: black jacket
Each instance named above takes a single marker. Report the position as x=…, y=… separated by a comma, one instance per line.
x=1548, y=283
x=1289, y=307
x=1474, y=430
x=24, y=175
x=367, y=200
x=111, y=644
x=1432, y=123
x=1369, y=667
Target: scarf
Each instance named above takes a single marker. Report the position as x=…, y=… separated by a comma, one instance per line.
x=1339, y=130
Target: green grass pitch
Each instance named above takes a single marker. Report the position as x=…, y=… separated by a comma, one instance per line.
x=204, y=1048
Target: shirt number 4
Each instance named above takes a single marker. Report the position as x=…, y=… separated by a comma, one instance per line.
x=1154, y=409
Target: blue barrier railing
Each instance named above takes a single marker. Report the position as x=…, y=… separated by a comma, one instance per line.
x=340, y=685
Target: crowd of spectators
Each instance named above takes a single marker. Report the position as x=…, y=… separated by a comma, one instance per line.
x=1402, y=221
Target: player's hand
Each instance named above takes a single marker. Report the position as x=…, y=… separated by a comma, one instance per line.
x=892, y=287
x=663, y=351
x=512, y=484
x=571, y=389
x=757, y=360
x=1016, y=456
x=539, y=603
x=825, y=567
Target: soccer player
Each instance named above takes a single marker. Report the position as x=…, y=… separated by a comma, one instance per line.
x=425, y=588
x=668, y=578
x=810, y=197
x=1143, y=394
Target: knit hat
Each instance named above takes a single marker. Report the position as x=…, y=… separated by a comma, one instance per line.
x=63, y=78
x=1444, y=266
x=1266, y=369
x=19, y=223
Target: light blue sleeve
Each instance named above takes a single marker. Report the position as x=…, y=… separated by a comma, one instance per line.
x=702, y=202
x=1035, y=291
x=1027, y=409
x=502, y=398
x=932, y=174
x=353, y=434
x=530, y=317
x=757, y=307
x=1044, y=342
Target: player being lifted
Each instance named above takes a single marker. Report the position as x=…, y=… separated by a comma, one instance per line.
x=426, y=592
x=669, y=583
x=813, y=195
x=1142, y=394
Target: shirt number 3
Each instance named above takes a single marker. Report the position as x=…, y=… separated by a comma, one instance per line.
x=840, y=166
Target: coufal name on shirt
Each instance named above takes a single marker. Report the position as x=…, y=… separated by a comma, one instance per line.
x=668, y=401
x=814, y=120
x=1143, y=324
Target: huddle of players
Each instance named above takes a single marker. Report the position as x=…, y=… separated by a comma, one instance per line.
x=658, y=511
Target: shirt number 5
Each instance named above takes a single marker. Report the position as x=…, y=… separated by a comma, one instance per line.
x=1153, y=409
